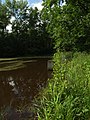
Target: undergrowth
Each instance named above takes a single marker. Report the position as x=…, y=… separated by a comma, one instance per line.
x=67, y=95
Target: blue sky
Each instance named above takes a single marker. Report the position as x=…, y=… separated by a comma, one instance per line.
x=31, y=1
x=34, y=3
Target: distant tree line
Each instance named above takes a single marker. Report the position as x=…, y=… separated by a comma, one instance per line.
x=28, y=35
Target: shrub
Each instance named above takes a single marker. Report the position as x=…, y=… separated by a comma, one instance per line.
x=67, y=96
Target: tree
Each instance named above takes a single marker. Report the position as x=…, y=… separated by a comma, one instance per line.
x=28, y=35
x=69, y=25
x=4, y=18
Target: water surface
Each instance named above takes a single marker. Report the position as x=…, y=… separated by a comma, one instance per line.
x=21, y=80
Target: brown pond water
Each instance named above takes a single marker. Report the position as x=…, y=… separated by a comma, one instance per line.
x=20, y=86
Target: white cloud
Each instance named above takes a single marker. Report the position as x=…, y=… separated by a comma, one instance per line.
x=12, y=19
x=9, y=28
x=38, y=5
x=64, y=3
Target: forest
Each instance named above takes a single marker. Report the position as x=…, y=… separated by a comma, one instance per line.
x=35, y=32
x=22, y=30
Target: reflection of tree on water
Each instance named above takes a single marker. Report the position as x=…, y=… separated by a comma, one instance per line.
x=20, y=86
x=12, y=83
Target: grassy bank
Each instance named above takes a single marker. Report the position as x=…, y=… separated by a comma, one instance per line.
x=67, y=96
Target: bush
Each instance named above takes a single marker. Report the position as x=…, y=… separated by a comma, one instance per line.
x=67, y=96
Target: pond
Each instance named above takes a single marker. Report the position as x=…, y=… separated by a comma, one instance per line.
x=21, y=80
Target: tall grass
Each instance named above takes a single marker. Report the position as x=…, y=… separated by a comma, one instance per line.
x=67, y=96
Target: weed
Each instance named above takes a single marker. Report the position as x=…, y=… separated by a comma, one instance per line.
x=67, y=95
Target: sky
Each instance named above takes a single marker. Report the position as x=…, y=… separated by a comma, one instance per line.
x=34, y=3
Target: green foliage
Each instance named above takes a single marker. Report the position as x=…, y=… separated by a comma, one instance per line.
x=28, y=35
x=68, y=24
x=67, y=96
